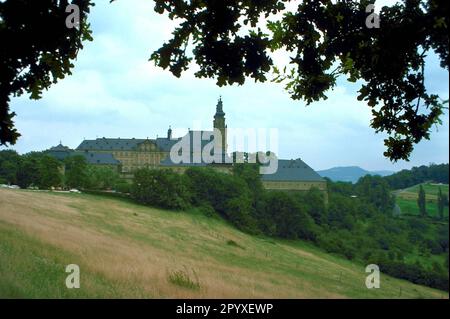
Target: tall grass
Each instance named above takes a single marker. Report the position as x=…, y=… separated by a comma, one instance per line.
x=183, y=279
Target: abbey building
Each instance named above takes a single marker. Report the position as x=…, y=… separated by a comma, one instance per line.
x=128, y=155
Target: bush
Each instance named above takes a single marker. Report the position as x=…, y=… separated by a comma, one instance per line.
x=416, y=273
x=162, y=188
x=237, y=211
x=103, y=178
x=227, y=194
x=313, y=201
x=231, y=242
x=75, y=175
x=181, y=278
x=288, y=216
x=122, y=186
x=206, y=210
x=342, y=211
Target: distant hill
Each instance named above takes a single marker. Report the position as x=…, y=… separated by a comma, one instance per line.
x=350, y=173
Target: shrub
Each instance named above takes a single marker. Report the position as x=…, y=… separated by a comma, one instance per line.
x=75, y=175
x=103, y=178
x=123, y=186
x=181, y=278
x=234, y=244
x=288, y=216
x=416, y=273
x=313, y=201
x=227, y=194
x=162, y=188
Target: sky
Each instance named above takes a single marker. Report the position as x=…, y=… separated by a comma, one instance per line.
x=115, y=91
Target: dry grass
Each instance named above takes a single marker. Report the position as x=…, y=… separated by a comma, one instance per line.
x=134, y=248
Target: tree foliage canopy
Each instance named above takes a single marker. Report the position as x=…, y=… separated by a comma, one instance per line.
x=37, y=50
x=232, y=40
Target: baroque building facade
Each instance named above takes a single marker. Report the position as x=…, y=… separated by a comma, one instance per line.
x=128, y=155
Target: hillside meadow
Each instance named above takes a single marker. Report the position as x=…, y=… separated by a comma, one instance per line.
x=126, y=250
x=407, y=199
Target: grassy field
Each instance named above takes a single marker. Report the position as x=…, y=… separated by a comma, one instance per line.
x=126, y=250
x=407, y=199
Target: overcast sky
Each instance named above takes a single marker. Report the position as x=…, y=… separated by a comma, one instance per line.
x=115, y=92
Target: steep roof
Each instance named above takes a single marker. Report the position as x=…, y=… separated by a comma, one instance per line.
x=60, y=148
x=98, y=158
x=196, y=145
x=293, y=170
x=61, y=152
x=166, y=144
x=110, y=144
x=124, y=144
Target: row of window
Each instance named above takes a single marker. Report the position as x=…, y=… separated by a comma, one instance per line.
x=135, y=153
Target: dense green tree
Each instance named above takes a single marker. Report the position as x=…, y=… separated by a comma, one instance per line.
x=76, y=174
x=102, y=178
x=324, y=40
x=342, y=211
x=421, y=202
x=289, y=216
x=344, y=188
x=122, y=186
x=160, y=187
x=314, y=202
x=206, y=188
x=9, y=166
x=49, y=172
x=377, y=191
x=229, y=195
x=416, y=175
x=29, y=173
x=250, y=174
x=440, y=204
x=37, y=50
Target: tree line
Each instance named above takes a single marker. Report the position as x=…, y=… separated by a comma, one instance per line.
x=417, y=175
x=441, y=202
x=40, y=170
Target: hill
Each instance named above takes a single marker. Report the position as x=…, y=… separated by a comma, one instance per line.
x=349, y=173
x=128, y=250
x=436, y=173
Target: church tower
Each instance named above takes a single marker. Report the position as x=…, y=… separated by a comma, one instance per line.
x=219, y=123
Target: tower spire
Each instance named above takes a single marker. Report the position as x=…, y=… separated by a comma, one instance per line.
x=219, y=124
x=219, y=108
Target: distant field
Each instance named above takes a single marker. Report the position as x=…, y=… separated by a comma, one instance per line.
x=407, y=199
x=126, y=250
